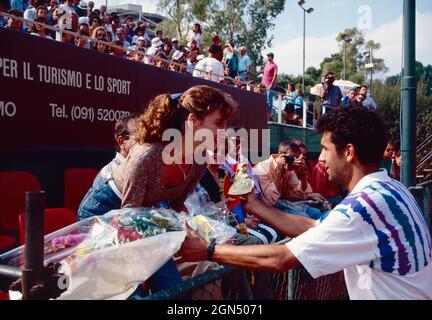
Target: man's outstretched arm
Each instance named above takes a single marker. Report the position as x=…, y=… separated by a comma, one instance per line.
x=274, y=258
x=290, y=225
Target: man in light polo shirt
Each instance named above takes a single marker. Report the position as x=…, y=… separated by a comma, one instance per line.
x=244, y=64
x=377, y=234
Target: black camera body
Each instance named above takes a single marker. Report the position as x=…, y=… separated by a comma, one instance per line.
x=289, y=159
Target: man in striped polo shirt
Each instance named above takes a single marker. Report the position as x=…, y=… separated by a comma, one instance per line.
x=377, y=234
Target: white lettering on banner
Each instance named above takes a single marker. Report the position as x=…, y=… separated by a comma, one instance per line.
x=8, y=68
x=88, y=81
x=27, y=71
x=60, y=76
x=99, y=83
x=118, y=86
x=77, y=113
x=7, y=109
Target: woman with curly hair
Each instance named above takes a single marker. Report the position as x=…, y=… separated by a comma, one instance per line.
x=145, y=179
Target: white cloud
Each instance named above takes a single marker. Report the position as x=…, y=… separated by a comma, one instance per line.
x=390, y=37
x=289, y=54
x=337, y=3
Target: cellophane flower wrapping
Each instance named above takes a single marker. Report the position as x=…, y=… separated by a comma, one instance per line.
x=107, y=257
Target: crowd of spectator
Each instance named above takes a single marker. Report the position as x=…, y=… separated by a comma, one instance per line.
x=80, y=24
x=83, y=25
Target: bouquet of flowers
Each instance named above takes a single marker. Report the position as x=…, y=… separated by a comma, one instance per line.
x=106, y=257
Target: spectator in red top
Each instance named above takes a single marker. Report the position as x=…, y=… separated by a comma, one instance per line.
x=321, y=184
x=309, y=164
x=218, y=55
x=269, y=78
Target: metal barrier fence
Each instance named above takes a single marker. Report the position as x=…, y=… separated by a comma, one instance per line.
x=111, y=45
x=227, y=283
x=423, y=195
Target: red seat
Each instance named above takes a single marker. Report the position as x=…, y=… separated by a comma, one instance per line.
x=13, y=186
x=76, y=184
x=55, y=219
x=4, y=295
x=6, y=242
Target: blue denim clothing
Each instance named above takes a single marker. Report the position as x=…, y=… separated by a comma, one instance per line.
x=270, y=95
x=243, y=75
x=101, y=199
x=291, y=207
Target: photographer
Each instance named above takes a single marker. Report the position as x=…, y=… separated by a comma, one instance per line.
x=330, y=94
x=283, y=181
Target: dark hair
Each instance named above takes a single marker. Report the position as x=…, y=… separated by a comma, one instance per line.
x=95, y=17
x=284, y=146
x=39, y=3
x=41, y=7
x=364, y=129
x=15, y=12
x=159, y=31
x=300, y=143
x=168, y=112
x=139, y=29
x=213, y=48
x=83, y=33
x=363, y=86
x=199, y=26
x=5, y=4
x=121, y=128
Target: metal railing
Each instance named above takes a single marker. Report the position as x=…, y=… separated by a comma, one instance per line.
x=422, y=193
x=427, y=158
x=281, y=102
x=111, y=45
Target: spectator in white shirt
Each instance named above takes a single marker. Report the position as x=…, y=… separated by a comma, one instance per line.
x=210, y=68
x=195, y=34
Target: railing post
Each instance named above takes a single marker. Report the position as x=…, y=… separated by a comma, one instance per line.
x=279, y=108
x=34, y=241
x=408, y=98
x=305, y=107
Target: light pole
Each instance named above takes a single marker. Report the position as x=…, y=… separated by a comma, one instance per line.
x=346, y=39
x=369, y=66
x=408, y=99
x=309, y=11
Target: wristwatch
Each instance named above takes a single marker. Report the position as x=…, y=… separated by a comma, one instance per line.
x=211, y=249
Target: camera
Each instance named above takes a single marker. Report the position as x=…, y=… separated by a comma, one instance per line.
x=289, y=159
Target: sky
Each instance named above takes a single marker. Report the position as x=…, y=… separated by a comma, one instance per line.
x=379, y=20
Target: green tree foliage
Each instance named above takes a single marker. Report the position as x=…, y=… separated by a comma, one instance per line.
x=387, y=95
x=182, y=14
x=247, y=22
